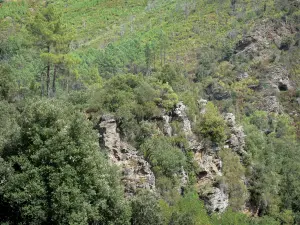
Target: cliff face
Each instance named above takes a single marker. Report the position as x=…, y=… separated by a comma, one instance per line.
x=136, y=171
x=265, y=46
x=267, y=49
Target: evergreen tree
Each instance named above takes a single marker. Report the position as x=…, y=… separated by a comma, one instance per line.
x=56, y=173
x=53, y=38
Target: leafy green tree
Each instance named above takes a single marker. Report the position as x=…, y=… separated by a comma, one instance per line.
x=9, y=128
x=56, y=173
x=145, y=209
x=230, y=218
x=7, y=83
x=188, y=210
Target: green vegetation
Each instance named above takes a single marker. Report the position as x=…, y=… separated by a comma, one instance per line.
x=65, y=63
x=54, y=172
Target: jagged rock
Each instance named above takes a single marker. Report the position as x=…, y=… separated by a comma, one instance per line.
x=237, y=138
x=217, y=200
x=136, y=172
x=279, y=78
x=217, y=92
x=257, y=44
x=167, y=126
x=202, y=105
x=180, y=113
x=298, y=100
x=184, y=179
x=242, y=76
x=271, y=104
x=210, y=163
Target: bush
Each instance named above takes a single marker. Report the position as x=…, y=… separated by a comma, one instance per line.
x=188, y=210
x=145, y=209
x=211, y=125
x=165, y=158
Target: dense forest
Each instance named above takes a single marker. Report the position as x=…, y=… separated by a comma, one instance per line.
x=150, y=112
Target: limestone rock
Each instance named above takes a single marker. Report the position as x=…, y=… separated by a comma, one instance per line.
x=202, y=105
x=167, y=126
x=217, y=200
x=242, y=76
x=237, y=138
x=278, y=77
x=136, y=172
x=180, y=113
x=217, y=92
x=271, y=104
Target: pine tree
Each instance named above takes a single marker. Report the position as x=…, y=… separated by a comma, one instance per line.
x=53, y=38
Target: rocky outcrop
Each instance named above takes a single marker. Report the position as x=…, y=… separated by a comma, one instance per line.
x=271, y=104
x=237, y=136
x=278, y=78
x=180, y=114
x=217, y=200
x=210, y=165
x=217, y=92
x=167, y=127
x=257, y=44
x=136, y=172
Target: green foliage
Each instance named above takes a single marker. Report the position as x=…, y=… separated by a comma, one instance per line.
x=9, y=128
x=145, y=209
x=230, y=217
x=165, y=158
x=135, y=60
x=56, y=174
x=234, y=174
x=133, y=98
x=188, y=210
x=211, y=125
x=53, y=38
x=272, y=145
x=7, y=83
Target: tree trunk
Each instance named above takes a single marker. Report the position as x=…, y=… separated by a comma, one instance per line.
x=68, y=82
x=54, y=81
x=48, y=80
x=48, y=76
x=42, y=84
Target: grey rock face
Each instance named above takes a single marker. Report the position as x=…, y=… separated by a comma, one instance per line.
x=167, y=126
x=242, y=76
x=217, y=201
x=271, y=104
x=279, y=78
x=180, y=113
x=202, y=105
x=217, y=92
x=237, y=139
x=136, y=172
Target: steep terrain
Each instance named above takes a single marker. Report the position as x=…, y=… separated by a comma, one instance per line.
x=196, y=105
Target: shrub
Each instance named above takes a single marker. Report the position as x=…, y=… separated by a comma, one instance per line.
x=211, y=125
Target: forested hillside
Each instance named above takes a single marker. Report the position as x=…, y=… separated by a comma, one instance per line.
x=150, y=112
